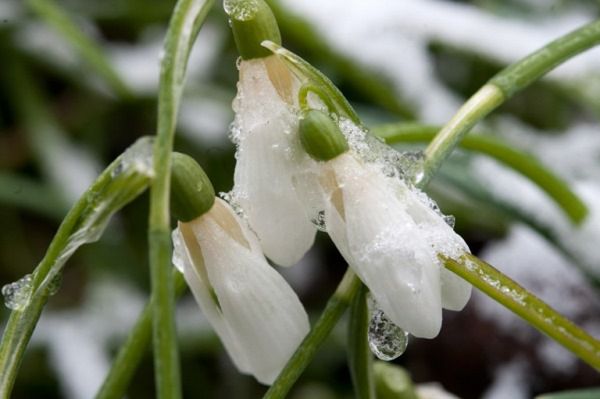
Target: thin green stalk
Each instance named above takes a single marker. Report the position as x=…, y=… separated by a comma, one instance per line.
x=131, y=352
x=84, y=223
x=475, y=109
x=502, y=86
x=334, y=309
x=63, y=23
x=517, y=160
x=184, y=26
x=15, y=338
x=526, y=305
x=360, y=359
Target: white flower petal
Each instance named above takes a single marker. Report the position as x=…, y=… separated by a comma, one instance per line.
x=268, y=157
x=202, y=293
x=262, y=316
x=385, y=248
x=455, y=291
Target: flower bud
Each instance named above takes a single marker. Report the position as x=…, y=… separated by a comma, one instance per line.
x=192, y=193
x=252, y=22
x=320, y=136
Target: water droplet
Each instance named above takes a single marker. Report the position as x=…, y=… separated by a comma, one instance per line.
x=55, y=284
x=240, y=10
x=450, y=220
x=232, y=198
x=387, y=341
x=319, y=221
x=117, y=170
x=17, y=294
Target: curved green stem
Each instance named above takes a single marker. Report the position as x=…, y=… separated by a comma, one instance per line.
x=502, y=86
x=320, y=81
x=360, y=359
x=336, y=306
x=519, y=161
x=84, y=223
x=185, y=23
x=526, y=305
x=130, y=354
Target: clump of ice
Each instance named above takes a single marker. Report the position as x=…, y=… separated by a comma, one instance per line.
x=240, y=10
x=405, y=166
x=17, y=294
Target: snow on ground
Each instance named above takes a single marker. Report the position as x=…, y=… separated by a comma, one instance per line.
x=392, y=38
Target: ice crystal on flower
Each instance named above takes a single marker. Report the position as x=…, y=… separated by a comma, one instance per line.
x=240, y=10
x=17, y=294
x=319, y=221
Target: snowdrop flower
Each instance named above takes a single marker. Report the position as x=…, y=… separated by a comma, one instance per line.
x=386, y=232
x=255, y=313
x=265, y=132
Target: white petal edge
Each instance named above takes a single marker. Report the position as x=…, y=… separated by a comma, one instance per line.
x=384, y=247
x=262, y=316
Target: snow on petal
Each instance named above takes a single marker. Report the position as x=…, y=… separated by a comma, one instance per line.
x=268, y=158
x=384, y=246
x=442, y=238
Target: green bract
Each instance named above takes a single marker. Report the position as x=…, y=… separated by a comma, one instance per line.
x=320, y=136
x=192, y=193
x=252, y=22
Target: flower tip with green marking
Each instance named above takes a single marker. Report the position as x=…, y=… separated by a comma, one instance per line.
x=320, y=136
x=253, y=310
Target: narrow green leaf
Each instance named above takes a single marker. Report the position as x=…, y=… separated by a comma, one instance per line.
x=360, y=359
x=126, y=178
x=505, y=84
x=526, y=305
x=520, y=161
x=304, y=69
x=130, y=355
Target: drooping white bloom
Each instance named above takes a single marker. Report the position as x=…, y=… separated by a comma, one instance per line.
x=391, y=239
x=268, y=156
x=257, y=315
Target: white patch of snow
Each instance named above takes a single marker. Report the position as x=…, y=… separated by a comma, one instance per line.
x=139, y=64
x=205, y=120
